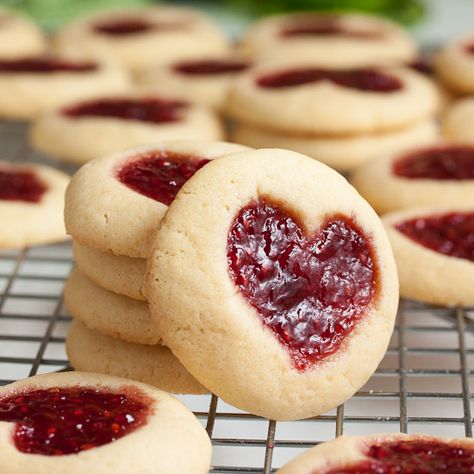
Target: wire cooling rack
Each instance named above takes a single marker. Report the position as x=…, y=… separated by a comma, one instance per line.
x=422, y=384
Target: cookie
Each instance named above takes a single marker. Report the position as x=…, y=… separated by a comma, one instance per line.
x=91, y=129
x=122, y=275
x=458, y=122
x=77, y=422
x=116, y=203
x=143, y=37
x=434, y=251
x=343, y=153
x=31, y=204
x=156, y=365
x=382, y=453
x=31, y=85
x=438, y=174
x=280, y=276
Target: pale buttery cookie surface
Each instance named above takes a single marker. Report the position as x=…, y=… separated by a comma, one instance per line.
x=78, y=422
x=458, y=122
x=437, y=174
x=386, y=453
x=31, y=204
x=116, y=203
x=434, y=251
x=250, y=269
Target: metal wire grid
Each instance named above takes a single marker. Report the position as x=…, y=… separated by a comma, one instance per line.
x=422, y=385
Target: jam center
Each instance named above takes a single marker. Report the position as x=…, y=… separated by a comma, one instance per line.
x=132, y=26
x=310, y=292
x=444, y=163
x=159, y=175
x=21, y=186
x=44, y=65
x=365, y=79
x=450, y=234
x=210, y=66
x=60, y=421
x=470, y=48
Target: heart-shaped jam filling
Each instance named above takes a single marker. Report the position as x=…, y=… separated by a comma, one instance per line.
x=412, y=457
x=159, y=175
x=143, y=109
x=60, y=421
x=450, y=234
x=310, y=291
x=44, y=65
x=21, y=186
x=365, y=79
x=444, y=163
x=210, y=66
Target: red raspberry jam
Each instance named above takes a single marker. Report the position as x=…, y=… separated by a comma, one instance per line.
x=159, y=175
x=444, y=163
x=470, y=48
x=58, y=421
x=16, y=185
x=423, y=65
x=123, y=26
x=365, y=79
x=310, y=291
x=210, y=66
x=412, y=457
x=144, y=109
x=44, y=65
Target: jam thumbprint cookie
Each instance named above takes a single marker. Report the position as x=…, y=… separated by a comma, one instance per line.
x=439, y=174
x=77, y=422
x=31, y=205
x=434, y=250
x=280, y=276
x=458, y=122
x=386, y=453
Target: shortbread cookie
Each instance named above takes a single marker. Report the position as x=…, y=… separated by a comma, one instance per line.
x=141, y=38
x=434, y=250
x=122, y=275
x=439, y=174
x=77, y=422
x=330, y=40
x=386, y=453
x=303, y=98
x=83, y=131
x=29, y=86
x=116, y=203
x=107, y=312
x=31, y=204
x=156, y=365
x=458, y=122
x=343, y=153
x=293, y=291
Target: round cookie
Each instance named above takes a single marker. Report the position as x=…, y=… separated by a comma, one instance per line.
x=384, y=453
x=434, y=251
x=122, y=275
x=109, y=313
x=458, y=122
x=301, y=97
x=91, y=129
x=343, y=153
x=103, y=212
x=31, y=85
x=328, y=39
x=438, y=174
x=143, y=37
x=250, y=267
x=155, y=365
x=77, y=422
x=31, y=204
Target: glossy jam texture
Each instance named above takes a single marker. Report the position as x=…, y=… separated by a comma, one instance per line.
x=211, y=67
x=144, y=109
x=44, y=65
x=366, y=79
x=443, y=163
x=159, y=175
x=16, y=185
x=310, y=291
x=412, y=457
x=59, y=421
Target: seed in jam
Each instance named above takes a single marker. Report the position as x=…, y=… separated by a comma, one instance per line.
x=310, y=291
x=210, y=66
x=450, y=234
x=159, y=175
x=364, y=79
x=149, y=109
x=443, y=162
x=59, y=421
x=44, y=65
x=24, y=185
x=412, y=457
